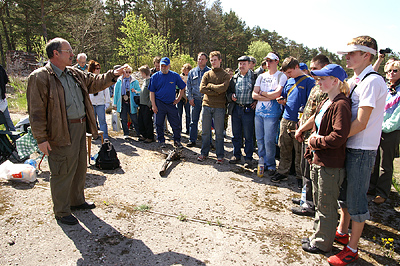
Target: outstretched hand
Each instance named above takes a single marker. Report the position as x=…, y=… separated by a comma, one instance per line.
x=120, y=71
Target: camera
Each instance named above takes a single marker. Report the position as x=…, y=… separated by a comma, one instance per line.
x=385, y=51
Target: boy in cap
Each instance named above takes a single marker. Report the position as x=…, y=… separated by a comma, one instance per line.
x=162, y=95
x=368, y=95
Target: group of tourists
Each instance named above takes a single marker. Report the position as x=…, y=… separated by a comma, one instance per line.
x=333, y=125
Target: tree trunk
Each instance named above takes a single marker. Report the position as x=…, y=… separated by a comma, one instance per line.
x=5, y=28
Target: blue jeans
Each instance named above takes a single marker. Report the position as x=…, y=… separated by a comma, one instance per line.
x=359, y=165
x=243, y=120
x=194, y=119
x=171, y=111
x=9, y=123
x=208, y=114
x=100, y=113
x=125, y=110
x=180, y=106
x=266, y=128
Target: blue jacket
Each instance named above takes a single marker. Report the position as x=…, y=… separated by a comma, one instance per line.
x=134, y=84
x=193, y=83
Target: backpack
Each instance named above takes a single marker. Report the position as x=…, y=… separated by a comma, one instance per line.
x=107, y=157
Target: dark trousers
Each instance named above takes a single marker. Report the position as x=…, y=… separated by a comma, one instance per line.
x=146, y=122
x=381, y=177
x=171, y=112
x=68, y=166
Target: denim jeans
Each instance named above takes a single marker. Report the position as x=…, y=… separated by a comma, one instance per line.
x=171, y=111
x=194, y=119
x=266, y=128
x=180, y=106
x=359, y=165
x=125, y=110
x=243, y=121
x=100, y=113
x=218, y=115
x=9, y=124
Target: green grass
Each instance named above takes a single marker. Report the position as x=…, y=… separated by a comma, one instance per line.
x=17, y=100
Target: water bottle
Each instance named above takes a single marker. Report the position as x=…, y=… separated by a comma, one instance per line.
x=94, y=157
x=260, y=167
x=303, y=199
x=31, y=162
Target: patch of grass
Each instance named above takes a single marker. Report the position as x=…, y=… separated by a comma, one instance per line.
x=17, y=100
x=142, y=208
x=182, y=217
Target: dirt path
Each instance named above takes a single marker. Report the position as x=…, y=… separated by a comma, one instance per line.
x=200, y=214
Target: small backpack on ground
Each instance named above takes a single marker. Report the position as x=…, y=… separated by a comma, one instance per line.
x=107, y=157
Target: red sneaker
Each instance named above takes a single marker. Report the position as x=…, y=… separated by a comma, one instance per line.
x=343, y=258
x=342, y=239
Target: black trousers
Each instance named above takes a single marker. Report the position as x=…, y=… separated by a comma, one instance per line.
x=146, y=122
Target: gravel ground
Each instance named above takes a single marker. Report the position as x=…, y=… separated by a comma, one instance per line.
x=198, y=214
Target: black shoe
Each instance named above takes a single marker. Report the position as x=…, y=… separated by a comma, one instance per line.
x=191, y=144
x=299, y=183
x=305, y=240
x=69, y=219
x=303, y=211
x=248, y=164
x=234, y=160
x=296, y=201
x=277, y=178
x=178, y=145
x=84, y=206
x=307, y=247
x=271, y=172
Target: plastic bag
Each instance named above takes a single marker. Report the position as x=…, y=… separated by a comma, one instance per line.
x=18, y=172
x=116, y=125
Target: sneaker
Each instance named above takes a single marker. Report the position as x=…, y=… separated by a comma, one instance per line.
x=220, y=161
x=201, y=158
x=234, y=160
x=163, y=145
x=126, y=137
x=178, y=145
x=342, y=239
x=277, y=178
x=191, y=144
x=305, y=240
x=343, y=258
x=303, y=211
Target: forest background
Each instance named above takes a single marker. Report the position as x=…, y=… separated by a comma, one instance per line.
x=134, y=31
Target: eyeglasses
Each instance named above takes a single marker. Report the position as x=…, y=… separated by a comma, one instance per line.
x=392, y=70
x=68, y=51
x=98, y=68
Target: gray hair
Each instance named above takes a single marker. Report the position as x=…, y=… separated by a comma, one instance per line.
x=81, y=55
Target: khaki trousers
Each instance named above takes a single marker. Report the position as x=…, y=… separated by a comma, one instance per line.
x=286, y=144
x=68, y=166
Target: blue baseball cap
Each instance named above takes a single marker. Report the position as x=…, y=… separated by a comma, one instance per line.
x=331, y=70
x=164, y=61
x=303, y=66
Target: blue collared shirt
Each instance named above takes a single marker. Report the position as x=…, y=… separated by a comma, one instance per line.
x=193, y=83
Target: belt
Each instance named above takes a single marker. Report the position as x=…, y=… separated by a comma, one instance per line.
x=244, y=105
x=79, y=120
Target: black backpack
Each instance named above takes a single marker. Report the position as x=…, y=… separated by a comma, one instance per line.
x=107, y=157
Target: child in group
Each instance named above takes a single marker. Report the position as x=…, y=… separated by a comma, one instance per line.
x=145, y=113
x=326, y=152
x=124, y=91
x=184, y=103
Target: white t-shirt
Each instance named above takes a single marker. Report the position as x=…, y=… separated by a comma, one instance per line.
x=370, y=92
x=269, y=83
x=103, y=97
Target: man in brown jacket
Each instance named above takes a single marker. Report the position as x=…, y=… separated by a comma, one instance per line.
x=214, y=85
x=60, y=113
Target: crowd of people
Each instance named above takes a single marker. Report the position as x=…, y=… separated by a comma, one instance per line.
x=340, y=134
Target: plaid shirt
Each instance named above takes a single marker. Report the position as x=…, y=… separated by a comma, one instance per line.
x=244, y=88
x=26, y=145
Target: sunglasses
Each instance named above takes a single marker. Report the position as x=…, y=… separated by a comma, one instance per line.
x=98, y=68
x=392, y=70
